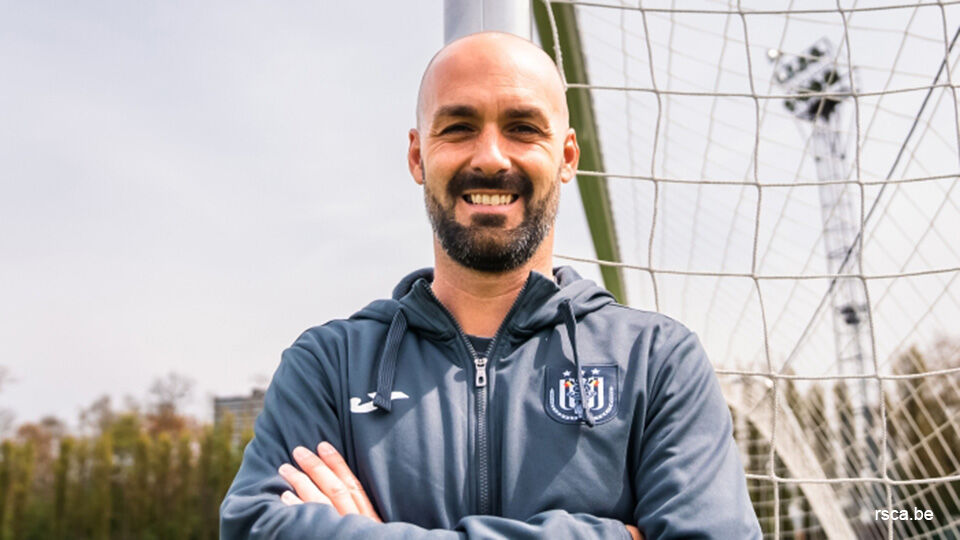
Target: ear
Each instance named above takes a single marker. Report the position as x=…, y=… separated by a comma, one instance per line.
x=571, y=156
x=414, y=159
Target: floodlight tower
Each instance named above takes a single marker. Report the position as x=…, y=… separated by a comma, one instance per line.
x=806, y=77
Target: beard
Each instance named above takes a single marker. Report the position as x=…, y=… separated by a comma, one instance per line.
x=485, y=245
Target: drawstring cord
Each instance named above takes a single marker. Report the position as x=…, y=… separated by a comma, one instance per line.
x=570, y=321
x=388, y=361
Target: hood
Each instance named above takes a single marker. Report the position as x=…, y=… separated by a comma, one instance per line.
x=538, y=305
x=541, y=307
x=543, y=302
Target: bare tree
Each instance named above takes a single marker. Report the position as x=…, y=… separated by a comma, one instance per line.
x=98, y=416
x=168, y=394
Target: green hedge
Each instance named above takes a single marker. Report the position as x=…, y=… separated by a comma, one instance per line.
x=126, y=480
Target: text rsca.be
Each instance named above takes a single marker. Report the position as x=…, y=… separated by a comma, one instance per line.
x=903, y=514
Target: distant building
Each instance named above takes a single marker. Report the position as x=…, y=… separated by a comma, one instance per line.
x=243, y=410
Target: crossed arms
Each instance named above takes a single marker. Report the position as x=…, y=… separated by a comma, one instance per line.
x=688, y=476
x=325, y=478
x=301, y=405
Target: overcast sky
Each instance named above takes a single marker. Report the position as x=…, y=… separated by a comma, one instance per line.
x=187, y=186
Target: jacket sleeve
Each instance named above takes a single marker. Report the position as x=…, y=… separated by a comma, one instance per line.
x=690, y=482
x=300, y=409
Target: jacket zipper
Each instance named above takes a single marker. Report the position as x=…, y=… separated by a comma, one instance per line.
x=480, y=402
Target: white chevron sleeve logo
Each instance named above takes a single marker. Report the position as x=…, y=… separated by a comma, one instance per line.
x=368, y=406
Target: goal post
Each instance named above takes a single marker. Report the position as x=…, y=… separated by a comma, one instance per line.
x=559, y=26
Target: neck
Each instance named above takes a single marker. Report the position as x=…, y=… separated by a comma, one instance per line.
x=479, y=301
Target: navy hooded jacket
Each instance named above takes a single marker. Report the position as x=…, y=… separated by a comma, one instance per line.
x=581, y=416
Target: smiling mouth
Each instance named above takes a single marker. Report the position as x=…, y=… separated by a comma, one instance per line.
x=490, y=199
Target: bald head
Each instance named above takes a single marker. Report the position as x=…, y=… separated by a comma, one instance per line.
x=492, y=146
x=499, y=61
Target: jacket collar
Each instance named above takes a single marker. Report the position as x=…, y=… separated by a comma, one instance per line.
x=537, y=305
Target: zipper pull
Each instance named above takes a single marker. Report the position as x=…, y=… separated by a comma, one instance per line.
x=481, y=364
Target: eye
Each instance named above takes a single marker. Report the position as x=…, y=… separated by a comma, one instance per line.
x=455, y=128
x=525, y=129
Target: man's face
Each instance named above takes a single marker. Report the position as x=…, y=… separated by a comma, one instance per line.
x=492, y=148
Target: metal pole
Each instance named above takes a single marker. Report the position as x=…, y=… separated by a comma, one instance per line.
x=464, y=17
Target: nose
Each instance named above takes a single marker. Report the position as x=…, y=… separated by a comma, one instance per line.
x=488, y=156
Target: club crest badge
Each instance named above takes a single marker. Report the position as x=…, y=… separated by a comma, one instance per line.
x=564, y=403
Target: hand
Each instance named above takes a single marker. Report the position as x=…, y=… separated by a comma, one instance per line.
x=634, y=532
x=328, y=480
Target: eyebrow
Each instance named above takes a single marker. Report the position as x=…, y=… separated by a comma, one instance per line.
x=459, y=111
x=527, y=113
x=515, y=113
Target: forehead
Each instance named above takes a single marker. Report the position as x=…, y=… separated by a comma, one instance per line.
x=500, y=75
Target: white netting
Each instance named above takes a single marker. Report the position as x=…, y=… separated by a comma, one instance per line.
x=783, y=178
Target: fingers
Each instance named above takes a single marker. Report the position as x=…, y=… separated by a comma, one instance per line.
x=635, y=532
x=302, y=484
x=290, y=499
x=326, y=479
x=339, y=466
x=339, y=494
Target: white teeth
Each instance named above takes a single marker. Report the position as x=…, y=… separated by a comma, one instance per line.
x=490, y=200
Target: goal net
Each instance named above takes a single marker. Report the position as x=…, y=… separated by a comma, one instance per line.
x=781, y=177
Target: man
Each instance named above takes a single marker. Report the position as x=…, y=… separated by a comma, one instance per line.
x=493, y=397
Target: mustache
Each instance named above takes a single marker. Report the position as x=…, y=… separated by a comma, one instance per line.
x=509, y=181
